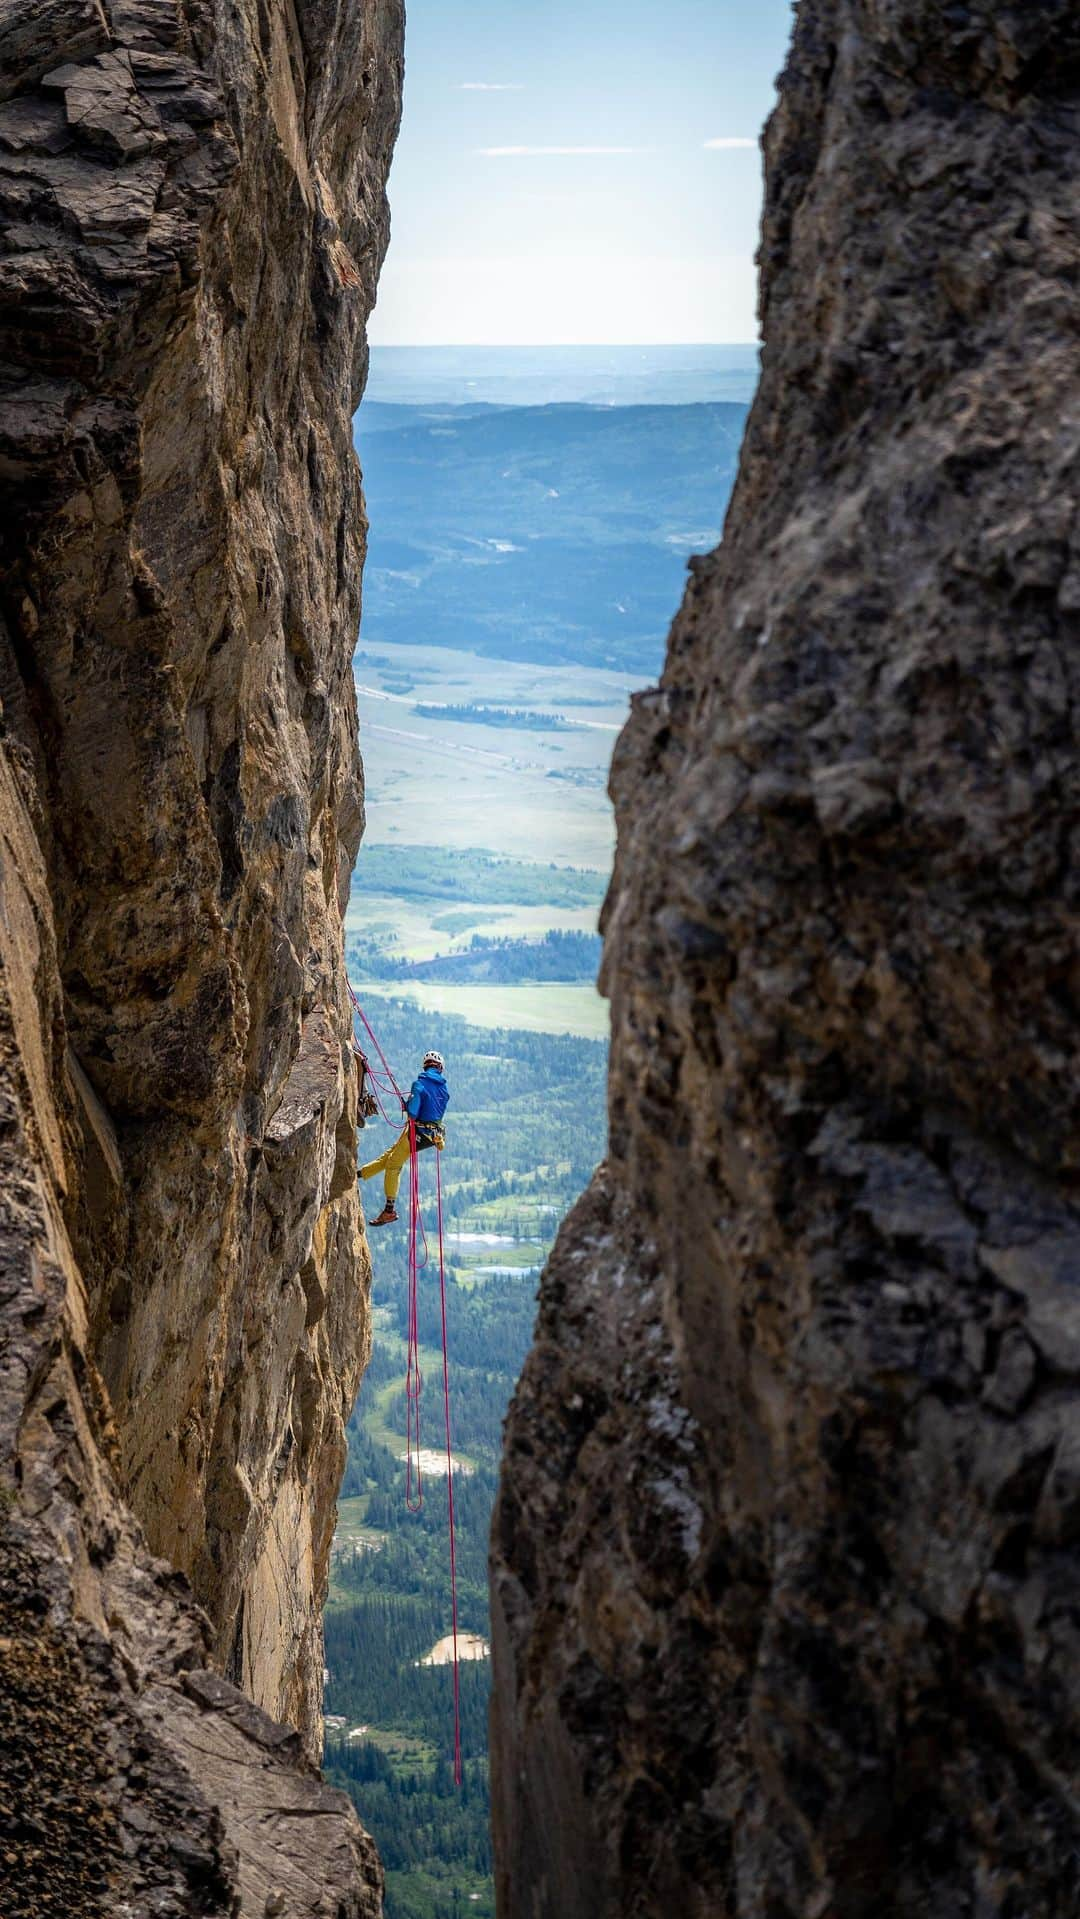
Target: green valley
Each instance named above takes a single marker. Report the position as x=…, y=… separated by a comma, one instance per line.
x=523, y=564
x=525, y=1128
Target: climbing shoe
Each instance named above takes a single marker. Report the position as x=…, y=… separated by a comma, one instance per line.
x=388, y=1216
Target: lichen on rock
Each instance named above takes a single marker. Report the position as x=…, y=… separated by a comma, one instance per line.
x=194, y=216
x=786, y=1566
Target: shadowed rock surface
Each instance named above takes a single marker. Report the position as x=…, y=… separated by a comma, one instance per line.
x=786, y=1561
x=194, y=217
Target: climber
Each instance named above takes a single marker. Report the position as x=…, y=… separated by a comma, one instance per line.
x=425, y=1106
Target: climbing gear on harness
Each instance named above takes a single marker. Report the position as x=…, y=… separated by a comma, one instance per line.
x=427, y=1133
x=367, y=1105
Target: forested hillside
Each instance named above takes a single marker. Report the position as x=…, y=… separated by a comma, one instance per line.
x=558, y=955
x=525, y=1128
x=550, y=533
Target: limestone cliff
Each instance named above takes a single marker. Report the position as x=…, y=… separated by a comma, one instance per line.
x=194, y=216
x=787, y=1555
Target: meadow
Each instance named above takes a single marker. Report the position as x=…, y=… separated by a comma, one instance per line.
x=441, y=781
x=534, y=1008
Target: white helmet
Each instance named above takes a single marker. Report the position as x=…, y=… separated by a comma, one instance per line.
x=434, y=1059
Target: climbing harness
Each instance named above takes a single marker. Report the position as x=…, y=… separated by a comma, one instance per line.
x=383, y=1086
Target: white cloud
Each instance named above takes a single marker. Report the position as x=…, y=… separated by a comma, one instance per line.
x=729, y=144
x=528, y=153
x=491, y=86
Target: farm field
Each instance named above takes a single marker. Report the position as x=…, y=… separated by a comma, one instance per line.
x=435, y=780
x=417, y=930
x=578, y=1010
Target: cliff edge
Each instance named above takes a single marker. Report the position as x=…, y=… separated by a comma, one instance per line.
x=194, y=216
x=786, y=1560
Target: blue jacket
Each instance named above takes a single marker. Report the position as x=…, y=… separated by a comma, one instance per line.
x=429, y=1098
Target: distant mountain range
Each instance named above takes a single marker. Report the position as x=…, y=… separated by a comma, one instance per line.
x=539, y=376
x=557, y=532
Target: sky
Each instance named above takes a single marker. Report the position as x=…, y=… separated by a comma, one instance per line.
x=579, y=172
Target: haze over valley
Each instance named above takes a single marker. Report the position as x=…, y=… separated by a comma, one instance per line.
x=523, y=563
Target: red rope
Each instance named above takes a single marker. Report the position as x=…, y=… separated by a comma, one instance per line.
x=414, y=1381
x=449, y=1477
x=362, y=1016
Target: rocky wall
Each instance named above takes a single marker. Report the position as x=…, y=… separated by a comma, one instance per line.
x=193, y=219
x=786, y=1560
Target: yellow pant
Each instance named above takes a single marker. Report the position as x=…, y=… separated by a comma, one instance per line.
x=392, y=1163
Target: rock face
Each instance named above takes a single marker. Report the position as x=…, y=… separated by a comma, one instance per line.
x=786, y=1561
x=193, y=221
